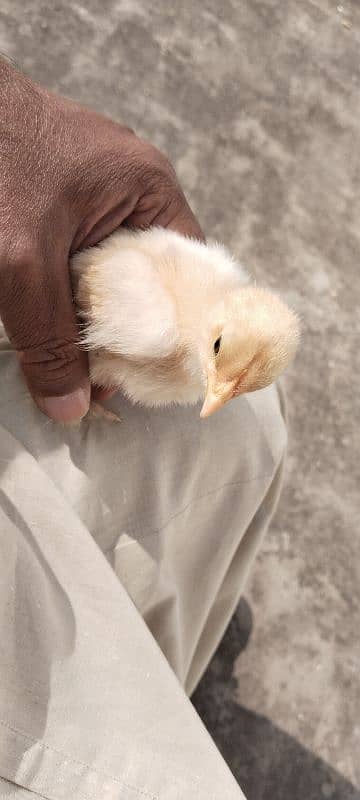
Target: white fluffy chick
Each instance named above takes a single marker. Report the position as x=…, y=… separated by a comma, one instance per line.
x=169, y=319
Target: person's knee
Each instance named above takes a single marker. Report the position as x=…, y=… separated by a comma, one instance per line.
x=268, y=408
x=246, y=440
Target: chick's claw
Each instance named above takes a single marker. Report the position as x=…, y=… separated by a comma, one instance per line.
x=97, y=411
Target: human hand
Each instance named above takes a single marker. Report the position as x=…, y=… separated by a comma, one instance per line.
x=69, y=177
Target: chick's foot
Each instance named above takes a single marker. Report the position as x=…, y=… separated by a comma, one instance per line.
x=97, y=411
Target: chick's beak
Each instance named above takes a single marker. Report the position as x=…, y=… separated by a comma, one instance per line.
x=216, y=397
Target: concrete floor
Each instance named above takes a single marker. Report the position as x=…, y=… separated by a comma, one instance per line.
x=257, y=102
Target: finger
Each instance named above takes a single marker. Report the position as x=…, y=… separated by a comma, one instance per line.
x=39, y=317
x=185, y=222
x=174, y=213
x=180, y=218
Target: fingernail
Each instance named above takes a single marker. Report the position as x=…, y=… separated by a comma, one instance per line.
x=68, y=408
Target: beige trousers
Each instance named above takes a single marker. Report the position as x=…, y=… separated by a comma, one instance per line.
x=123, y=553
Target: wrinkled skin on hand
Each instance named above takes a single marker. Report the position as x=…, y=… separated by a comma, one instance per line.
x=69, y=177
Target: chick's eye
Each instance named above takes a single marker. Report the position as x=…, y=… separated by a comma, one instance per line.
x=217, y=345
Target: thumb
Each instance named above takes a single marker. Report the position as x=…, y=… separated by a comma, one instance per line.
x=37, y=310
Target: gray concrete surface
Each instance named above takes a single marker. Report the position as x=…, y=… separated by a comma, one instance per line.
x=257, y=102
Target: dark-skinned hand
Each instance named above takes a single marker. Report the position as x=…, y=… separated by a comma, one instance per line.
x=69, y=177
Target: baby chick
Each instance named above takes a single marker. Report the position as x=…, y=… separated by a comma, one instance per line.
x=168, y=319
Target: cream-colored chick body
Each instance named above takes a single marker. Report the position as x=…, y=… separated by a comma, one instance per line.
x=155, y=305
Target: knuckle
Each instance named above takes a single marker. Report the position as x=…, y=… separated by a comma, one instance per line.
x=52, y=367
x=158, y=166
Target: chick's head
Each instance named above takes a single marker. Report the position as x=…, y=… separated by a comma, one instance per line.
x=253, y=336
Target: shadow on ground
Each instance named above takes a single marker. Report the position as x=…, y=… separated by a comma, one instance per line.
x=266, y=761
